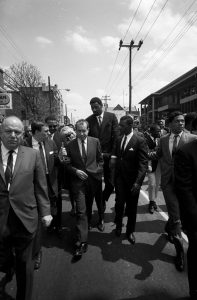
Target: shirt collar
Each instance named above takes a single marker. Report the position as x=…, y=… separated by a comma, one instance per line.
x=79, y=141
x=177, y=134
x=129, y=136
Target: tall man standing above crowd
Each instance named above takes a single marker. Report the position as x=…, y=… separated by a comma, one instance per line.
x=167, y=149
x=104, y=126
x=23, y=192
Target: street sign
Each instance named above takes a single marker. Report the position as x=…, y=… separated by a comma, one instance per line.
x=5, y=101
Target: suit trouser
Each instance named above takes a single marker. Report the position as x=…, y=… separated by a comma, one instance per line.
x=172, y=204
x=192, y=261
x=124, y=195
x=17, y=245
x=79, y=194
x=94, y=189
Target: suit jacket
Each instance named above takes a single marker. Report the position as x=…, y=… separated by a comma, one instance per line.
x=28, y=190
x=107, y=133
x=52, y=161
x=94, y=163
x=166, y=160
x=185, y=183
x=132, y=166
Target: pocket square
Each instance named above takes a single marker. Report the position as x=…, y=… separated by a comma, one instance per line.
x=51, y=152
x=131, y=149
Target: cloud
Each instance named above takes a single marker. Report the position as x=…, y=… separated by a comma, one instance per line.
x=43, y=41
x=80, y=42
x=110, y=42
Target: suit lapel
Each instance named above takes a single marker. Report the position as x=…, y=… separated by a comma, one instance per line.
x=18, y=160
x=183, y=139
x=131, y=143
x=166, y=146
x=1, y=167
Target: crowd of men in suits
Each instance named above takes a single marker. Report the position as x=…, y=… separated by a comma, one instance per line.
x=34, y=168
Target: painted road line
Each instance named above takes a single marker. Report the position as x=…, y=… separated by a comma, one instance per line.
x=162, y=213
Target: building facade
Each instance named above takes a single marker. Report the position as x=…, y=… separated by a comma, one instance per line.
x=180, y=94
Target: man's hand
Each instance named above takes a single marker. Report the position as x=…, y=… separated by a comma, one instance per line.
x=46, y=220
x=135, y=188
x=81, y=174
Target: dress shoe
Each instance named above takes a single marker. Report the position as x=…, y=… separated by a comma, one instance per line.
x=82, y=248
x=131, y=238
x=38, y=261
x=101, y=226
x=152, y=207
x=118, y=231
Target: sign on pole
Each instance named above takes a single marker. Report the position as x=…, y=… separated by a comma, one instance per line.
x=5, y=101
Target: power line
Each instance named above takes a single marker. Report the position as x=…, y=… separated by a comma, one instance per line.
x=170, y=46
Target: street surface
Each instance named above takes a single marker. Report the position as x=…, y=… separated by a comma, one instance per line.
x=112, y=269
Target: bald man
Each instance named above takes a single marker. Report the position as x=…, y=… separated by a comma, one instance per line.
x=23, y=191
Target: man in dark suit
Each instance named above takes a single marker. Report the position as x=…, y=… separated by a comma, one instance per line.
x=104, y=126
x=23, y=192
x=131, y=162
x=167, y=148
x=49, y=155
x=85, y=167
x=55, y=136
x=185, y=168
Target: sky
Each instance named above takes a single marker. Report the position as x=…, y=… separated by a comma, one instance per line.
x=76, y=43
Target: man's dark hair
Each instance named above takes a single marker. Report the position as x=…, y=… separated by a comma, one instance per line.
x=36, y=125
x=194, y=124
x=50, y=118
x=173, y=115
x=96, y=100
x=153, y=127
x=81, y=121
x=128, y=119
x=189, y=117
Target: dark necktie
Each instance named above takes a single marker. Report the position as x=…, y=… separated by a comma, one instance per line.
x=8, y=171
x=84, y=156
x=174, y=147
x=42, y=156
x=99, y=121
x=123, y=146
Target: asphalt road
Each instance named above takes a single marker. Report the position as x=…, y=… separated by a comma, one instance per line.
x=112, y=269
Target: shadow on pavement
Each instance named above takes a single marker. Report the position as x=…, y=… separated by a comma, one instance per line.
x=112, y=249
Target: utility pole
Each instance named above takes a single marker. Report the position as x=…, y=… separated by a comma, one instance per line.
x=105, y=99
x=49, y=84
x=130, y=46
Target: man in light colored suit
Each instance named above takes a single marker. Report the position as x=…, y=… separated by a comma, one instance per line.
x=85, y=167
x=167, y=148
x=23, y=191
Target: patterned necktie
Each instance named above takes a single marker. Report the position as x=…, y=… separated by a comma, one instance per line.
x=123, y=146
x=8, y=171
x=174, y=147
x=42, y=156
x=84, y=156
